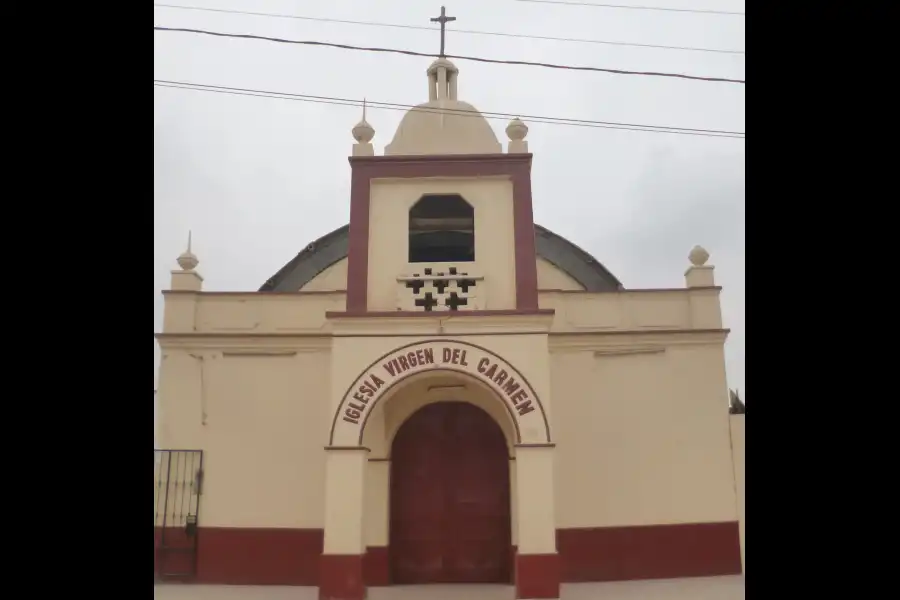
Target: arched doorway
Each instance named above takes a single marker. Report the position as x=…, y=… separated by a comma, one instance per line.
x=450, y=505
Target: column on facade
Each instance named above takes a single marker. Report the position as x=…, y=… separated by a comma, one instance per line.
x=341, y=565
x=537, y=572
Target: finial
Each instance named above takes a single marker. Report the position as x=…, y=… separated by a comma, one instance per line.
x=698, y=256
x=363, y=132
x=517, y=130
x=187, y=261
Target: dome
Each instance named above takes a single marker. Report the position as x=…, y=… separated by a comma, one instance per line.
x=333, y=248
x=443, y=126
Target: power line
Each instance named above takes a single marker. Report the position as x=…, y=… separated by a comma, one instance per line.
x=464, y=31
x=200, y=87
x=595, y=5
x=457, y=57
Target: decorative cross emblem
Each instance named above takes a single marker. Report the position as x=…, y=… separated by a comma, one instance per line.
x=465, y=284
x=443, y=20
x=454, y=301
x=415, y=285
x=428, y=302
x=441, y=284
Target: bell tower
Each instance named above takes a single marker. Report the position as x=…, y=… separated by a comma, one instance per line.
x=443, y=220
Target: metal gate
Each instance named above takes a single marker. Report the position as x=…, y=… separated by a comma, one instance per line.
x=178, y=478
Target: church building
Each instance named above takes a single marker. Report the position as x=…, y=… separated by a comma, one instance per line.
x=443, y=391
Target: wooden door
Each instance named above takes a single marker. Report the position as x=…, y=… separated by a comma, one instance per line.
x=450, y=510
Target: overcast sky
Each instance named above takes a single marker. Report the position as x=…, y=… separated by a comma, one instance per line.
x=257, y=179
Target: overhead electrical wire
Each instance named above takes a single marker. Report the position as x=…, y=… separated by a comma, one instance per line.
x=457, y=57
x=424, y=28
x=623, y=6
x=200, y=87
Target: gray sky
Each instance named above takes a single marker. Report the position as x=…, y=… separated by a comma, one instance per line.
x=257, y=179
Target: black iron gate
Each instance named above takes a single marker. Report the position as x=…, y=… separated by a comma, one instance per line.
x=178, y=478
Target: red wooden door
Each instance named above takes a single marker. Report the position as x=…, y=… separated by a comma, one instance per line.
x=450, y=511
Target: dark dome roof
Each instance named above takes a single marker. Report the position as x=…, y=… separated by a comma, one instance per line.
x=332, y=248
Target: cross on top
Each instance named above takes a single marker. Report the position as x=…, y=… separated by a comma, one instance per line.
x=443, y=20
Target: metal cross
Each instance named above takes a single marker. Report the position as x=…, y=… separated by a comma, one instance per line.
x=443, y=20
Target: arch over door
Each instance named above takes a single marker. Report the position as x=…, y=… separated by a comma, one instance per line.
x=450, y=505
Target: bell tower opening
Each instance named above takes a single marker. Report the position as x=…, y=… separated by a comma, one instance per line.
x=441, y=229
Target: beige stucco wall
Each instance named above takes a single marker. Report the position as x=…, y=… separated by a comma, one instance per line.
x=642, y=428
x=583, y=312
x=262, y=422
x=737, y=448
x=391, y=200
x=633, y=384
x=634, y=310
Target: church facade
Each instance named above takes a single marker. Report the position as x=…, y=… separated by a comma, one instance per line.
x=443, y=391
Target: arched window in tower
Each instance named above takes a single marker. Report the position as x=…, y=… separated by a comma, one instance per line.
x=441, y=229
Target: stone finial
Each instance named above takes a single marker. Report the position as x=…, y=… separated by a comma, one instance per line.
x=516, y=131
x=699, y=274
x=363, y=133
x=187, y=261
x=187, y=279
x=698, y=256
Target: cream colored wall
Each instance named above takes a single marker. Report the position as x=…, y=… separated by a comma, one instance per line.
x=246, y=313
x=331, y=279
x=634, y=310
x=635, y=396
x=262, y=420
x=391, y=200
x=642, y=429
x=737, y=447
x=629, y=310
x=551, y=278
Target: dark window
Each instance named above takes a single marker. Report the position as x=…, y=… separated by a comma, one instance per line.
x=441, y=229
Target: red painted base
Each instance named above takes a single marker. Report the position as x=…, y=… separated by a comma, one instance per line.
x=649, y=552
x=377, y=566
x=244, y=556
x=537, y=576
x=341, y=577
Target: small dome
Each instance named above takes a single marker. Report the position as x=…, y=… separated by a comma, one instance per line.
x=442, y=62
x=443, y=126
